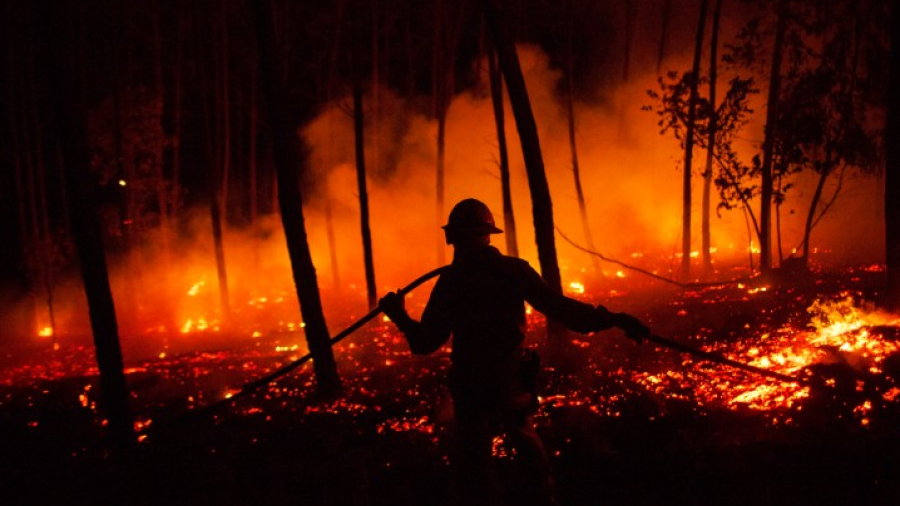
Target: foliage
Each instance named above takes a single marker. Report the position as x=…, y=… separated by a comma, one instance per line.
x=827, y=118
x=734, y=178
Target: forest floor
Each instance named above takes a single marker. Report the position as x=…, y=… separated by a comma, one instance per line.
x=624, y=424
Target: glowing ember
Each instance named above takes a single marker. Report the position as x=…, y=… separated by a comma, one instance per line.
x=576, y=287
x=46, y=332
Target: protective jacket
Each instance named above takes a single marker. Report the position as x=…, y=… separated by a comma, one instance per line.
x=480, y=301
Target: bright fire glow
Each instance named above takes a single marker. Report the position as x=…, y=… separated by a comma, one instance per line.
x=196, y=288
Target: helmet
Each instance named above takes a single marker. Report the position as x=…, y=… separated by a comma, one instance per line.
x=471, y=216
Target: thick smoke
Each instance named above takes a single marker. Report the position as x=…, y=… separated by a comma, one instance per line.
x=630, y=173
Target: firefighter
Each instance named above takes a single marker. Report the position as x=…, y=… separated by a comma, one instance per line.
x=480, y=301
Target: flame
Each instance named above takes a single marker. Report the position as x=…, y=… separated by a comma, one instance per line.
x=836, y=326
x=46, y=332
x=195, y=289
x=576, y=287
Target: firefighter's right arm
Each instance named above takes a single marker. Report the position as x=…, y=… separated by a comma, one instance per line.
x=423, y=337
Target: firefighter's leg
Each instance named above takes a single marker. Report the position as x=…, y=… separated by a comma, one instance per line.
x=478, y=484
x=536, y=486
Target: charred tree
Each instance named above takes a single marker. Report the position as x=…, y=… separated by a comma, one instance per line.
x=439, y=105
x=162, y=191
x=542, y=205
x=630, y=21
x=769, y=143
x=892, y=171
x=68, y=103
x=663, y=35
x=329, y=88
x=224, y=100
x=706, y=234
x=509, y=222
x=289, y=154
x=446, y=38
x=573, y=145
x=358, y=135
x=689, y=147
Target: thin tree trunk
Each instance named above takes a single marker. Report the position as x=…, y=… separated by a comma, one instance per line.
x=222, y=273
x=329, y=86
x=778, y=221
x=749, y=234
x=332, y=245
x=813, y=205
x=225, y=108
x=439, y=105
x=177, y=84
x=162, y=191
x=663, y=35
x=689, y=148
x=42, y=241
x=765, y=214
x=289, y=154
x=375, y=108
x=509, y=222
x=410, y=57
x=446, y=38
x=892, y=175
x=214, y=155
x=542, y=205
x=573, y=146
x=66, y=80
x=253, y=157
x=358, y=129
x=705, y=226
x=22, y=167
x=630, y=20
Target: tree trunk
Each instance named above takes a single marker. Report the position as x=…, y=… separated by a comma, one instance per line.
x=177, y=85
x=162, y=191
x=22, y=165
x=70, y=113
x=509, y=222
x=224, y=107
x=892, y=174
x=630, y=20
x=706, y=241
x=810, y=216
x=439, y=91
x=663, y=35
x=573, y=145
x=358, y=129
x=218, y=241
x=329, y=88
x=765, y=214
x=689, y=148
x=214, y=153
x=446, y=38
x=254, y=159
x=290, y=154
x=542, y=206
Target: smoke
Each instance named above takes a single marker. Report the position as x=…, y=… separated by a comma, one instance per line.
x=632, y=183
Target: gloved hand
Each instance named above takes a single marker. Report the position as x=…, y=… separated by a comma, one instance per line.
x=392, y=305
x=633, y=327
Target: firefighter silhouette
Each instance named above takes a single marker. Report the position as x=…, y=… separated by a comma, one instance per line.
x=480, y=301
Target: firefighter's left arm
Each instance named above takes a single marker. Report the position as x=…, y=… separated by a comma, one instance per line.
x=576, y=315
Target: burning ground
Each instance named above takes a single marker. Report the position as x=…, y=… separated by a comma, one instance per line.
x=624, y=424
